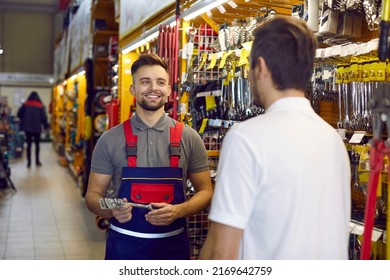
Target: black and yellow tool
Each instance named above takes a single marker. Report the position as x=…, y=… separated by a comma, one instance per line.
x=383, y=46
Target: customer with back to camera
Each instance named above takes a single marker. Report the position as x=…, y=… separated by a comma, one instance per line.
x=33, y=117
x=283, y=184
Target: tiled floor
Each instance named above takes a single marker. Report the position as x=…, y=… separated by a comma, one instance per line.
x=47, y=218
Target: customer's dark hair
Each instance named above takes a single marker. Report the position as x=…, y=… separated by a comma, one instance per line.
x=34, y=97
x=288, y=47
x=148, y=59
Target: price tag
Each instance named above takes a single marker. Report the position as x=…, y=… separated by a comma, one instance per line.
x=224, y=57
x=213, y=61
x=376, y=234
x=243, y=57
x=204, y=125
x=210, y=102
x=358, y=230
x=247, y=46
x=204, y=59
x=357, y=137
x=232, y=4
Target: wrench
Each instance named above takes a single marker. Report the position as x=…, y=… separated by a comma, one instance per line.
x=113, y=203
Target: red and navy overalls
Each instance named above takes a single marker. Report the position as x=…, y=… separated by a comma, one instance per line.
x=138, y=239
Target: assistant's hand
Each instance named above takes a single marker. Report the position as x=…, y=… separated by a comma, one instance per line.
x=123, y=214
x=164, y=215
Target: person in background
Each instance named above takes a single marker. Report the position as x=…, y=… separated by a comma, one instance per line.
x=33, y=118
x=283, y=183
x=147, y=160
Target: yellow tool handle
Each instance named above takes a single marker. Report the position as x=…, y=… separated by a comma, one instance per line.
x=386, y=10
x=384, y=25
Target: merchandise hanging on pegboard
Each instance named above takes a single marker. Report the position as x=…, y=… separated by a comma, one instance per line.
x=5, y=170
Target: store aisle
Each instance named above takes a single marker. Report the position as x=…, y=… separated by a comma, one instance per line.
x=47, y=218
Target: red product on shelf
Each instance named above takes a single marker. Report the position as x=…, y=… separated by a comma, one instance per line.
x=112, y=109
x=113, y=45
x=205, y=36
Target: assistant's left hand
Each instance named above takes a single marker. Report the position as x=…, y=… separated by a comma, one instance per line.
x=164, y=214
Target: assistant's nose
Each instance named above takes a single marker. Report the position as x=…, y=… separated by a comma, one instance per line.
x=153, y=86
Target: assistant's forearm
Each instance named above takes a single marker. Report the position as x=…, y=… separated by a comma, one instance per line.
x=198, y=202
x=92, y=200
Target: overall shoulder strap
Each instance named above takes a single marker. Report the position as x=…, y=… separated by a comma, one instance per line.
x=131, y=144
x=174, y=146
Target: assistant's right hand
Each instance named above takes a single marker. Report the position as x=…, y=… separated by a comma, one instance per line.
x=123, y=214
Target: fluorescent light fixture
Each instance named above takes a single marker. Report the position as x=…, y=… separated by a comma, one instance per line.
x=151, y=36
x=200, y=9
x=172, y=24
x=74, y=77
x=133, y=46
x=82, y=72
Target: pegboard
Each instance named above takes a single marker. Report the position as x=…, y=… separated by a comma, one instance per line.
x=328, y=110
x=198, y=227
x=367, y=34
x=199, y=224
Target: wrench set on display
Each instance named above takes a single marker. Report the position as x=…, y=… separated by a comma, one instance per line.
x=355, y=89
x=218, y=93
x=351, y=88
x=223, y=102
x=359, y=93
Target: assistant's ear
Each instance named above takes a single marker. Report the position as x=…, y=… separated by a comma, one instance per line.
x=132, y=90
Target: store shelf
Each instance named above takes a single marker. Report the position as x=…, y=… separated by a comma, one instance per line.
x=105, y=33
x=101, y=59
x=213, y=153
x=100, y=8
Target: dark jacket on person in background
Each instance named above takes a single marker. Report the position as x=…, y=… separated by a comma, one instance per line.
x=32, y=115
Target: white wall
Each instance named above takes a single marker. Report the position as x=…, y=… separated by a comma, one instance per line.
x=15, y=95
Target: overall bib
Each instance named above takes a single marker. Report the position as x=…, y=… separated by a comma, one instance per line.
x=137, y=239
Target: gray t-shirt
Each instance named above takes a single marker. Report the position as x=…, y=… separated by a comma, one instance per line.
x=109, y=155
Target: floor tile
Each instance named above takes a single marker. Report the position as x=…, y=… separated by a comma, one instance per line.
x=46, y=218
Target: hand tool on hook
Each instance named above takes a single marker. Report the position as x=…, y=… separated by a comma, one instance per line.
x=380, y=113
x=384, y=25
x=176, y=61
x=160, y=40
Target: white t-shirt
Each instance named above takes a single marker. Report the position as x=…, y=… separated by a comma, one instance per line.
x=284, y=179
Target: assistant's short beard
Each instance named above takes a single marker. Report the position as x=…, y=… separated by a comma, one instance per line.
x=144, y=105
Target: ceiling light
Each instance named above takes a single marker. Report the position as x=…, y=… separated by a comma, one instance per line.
x=193, y=13
x=134, y=46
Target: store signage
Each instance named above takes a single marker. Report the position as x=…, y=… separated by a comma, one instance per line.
x=25, y=79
